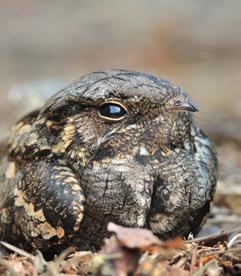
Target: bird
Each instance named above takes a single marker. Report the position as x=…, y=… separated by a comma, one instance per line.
x=114, y=146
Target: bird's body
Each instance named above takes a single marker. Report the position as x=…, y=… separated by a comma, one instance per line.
x=115, y=146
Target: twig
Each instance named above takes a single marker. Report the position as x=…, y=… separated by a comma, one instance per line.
x=213, y=239
x=194, y=259
x=236, y=239
x=65, y=254
x=17, y=250
x=39, y=262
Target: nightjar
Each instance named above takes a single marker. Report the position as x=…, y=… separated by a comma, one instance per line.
x=116, y=146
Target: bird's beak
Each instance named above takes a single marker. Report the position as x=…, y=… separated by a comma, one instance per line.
x=186, y=105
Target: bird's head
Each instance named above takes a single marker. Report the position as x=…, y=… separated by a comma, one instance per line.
x=115, y=112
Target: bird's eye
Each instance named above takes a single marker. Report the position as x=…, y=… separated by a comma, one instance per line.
x=112, y=111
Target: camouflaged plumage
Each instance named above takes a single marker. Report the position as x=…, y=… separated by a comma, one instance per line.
x=69, y=168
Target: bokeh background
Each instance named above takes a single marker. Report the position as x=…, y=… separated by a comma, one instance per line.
x=195, y=44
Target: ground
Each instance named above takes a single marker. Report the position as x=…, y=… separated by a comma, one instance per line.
x=193, y=44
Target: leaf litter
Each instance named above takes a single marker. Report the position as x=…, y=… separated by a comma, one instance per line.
x=134, y=251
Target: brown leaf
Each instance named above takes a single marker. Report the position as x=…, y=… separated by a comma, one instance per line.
x=143, y=239
x=134, y=237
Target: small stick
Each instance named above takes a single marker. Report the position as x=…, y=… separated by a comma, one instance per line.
x=17, y=250
x=213, y=239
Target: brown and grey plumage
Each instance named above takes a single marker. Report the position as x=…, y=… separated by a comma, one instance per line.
x=115, y=146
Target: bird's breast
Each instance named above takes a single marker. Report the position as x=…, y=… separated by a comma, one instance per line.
x=120, y=189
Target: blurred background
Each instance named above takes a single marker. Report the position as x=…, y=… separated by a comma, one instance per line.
x=194, y=44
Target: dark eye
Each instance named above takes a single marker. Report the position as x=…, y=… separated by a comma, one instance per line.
x=112, y=111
